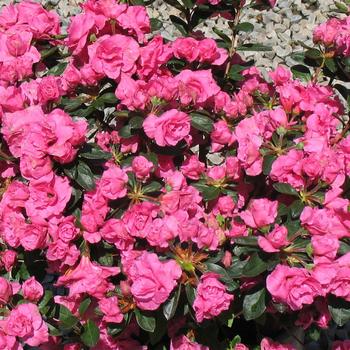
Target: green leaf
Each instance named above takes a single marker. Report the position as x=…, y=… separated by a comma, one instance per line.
x=222, y=35
x=190, y=293
x=343, y=248
x=339, y=310
x=125, y=132
x=298, y=56
x=342, y=90
x=66, y=318
x=254, y=305
x=282, y=209
x=93, y=151
x=154, y=186
x=48, y=52
x=109, y=98
x=71, y=104
x=224, y=276
x=106, y=260
x=235, y=72
x=249, y=241
x=267, y=163
x=341, y=7
x=156, y=24
x=331, y=65
x=296, y=208
x=285, y=188
x=170, y=306
x=254, y=267
x=84, y=306
x=146, y=322
x=58, y=69
x=254, y=47
x=208, y=192
x=301, y=72
x=132, y=179
x=43, y=305
x=85, y=177
x=201, y=122
x=91, y=334
x=136, y=122
x=179, y=24
x=244, y=27
x=71, y=172
x=313, y=54
x=188, y=3
x=53, y=330
x=219, y=270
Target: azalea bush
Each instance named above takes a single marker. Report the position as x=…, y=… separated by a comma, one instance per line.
x=164, y=194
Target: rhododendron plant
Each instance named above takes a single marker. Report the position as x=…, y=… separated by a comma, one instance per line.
x=160, y=194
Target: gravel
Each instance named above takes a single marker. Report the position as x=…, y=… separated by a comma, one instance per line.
x=281, y=28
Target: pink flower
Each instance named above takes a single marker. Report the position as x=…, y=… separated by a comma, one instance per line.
x=32, y=290
x=114, y=231
x=221, y=136
x=9, y=342
x=113, y=183
x=324, y=248
x=196, y=86
x=11, y=99
x=8, y=258
x=268, y=344
x=153, y=280
x=26, y=323
x=224, y=206
x=168, y=129
x=186, y=48
x=68, y=135
x=141, y=167
x=249, y=140
x=152, y=56
x=275, y=240
x=5, y=291
x=110, y=309
x=183, y=343
x=94, y=210
x=209, y=52
x=71, y=76
x=293, y=286
x=211, y=298
x=49, y=89
x=131, y=93
x=113, y=55
x=136, y=21
x=240, y=346
x=327, y=32
x=66, y=230
x=34, y=236
x=260, y=212
x=281, y=75
x=88, y=277
x=48, y=199
x=15, y=126
x=341, y=345
x=41, y=23
x=192, y=167
x=79, y=30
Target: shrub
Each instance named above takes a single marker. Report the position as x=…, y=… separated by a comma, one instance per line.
x=160, y=194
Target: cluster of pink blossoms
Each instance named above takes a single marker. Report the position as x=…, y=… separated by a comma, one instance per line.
x=145, y=191
x=334, y=34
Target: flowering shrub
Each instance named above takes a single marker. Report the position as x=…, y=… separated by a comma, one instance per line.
x=161, y=194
